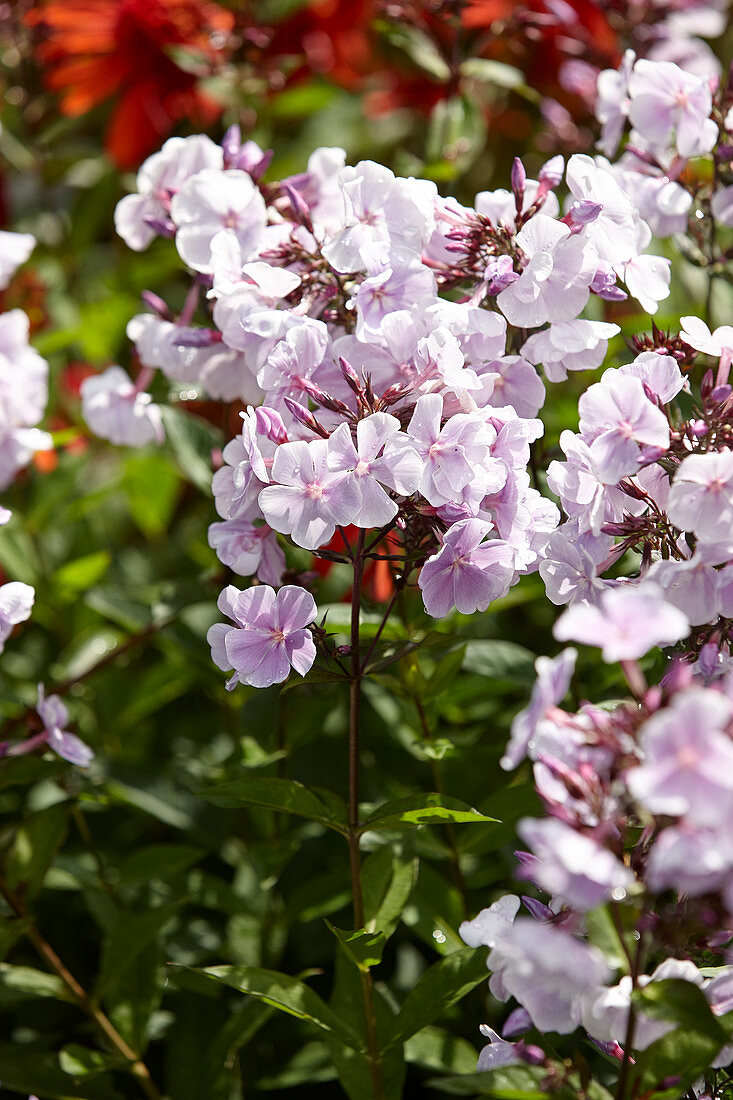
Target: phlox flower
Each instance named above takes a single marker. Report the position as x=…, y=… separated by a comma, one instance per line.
x=54, y=715
x=237, y=483
x=514, y=382
x=692, y=585
x=687, y=763
x=270, y=634
x=668, y=104
x=160, y=177
x=690, y=860
x=571, y=865
x=115, y=410
x=381, y=455
x=569, y=564
x=211, y=201
x=467, y=573
x=497, y=1052
x=613, y=234
x=606, y=1015
x=701, y=497
x=484, y=929
x=16, y=603
x=584, y=496
x=554, y=284
x=378, y=206
x=248, y=550
x=626, y=623
x=553, y=680
x=454, y=455
x=612, y=103
x=659, y=372
x=400, y=281
x=616, y=420
x=548, y=970
x=569, y=345
x=293, y=362
x=15, y=248
x=306, y=499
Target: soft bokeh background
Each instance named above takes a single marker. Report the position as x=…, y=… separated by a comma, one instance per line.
x=130, y=870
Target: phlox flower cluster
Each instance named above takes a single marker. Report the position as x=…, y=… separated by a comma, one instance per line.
x=638, y=801
x=389, y=347
x=23, y=399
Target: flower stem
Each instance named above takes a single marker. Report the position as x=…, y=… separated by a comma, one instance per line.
x=357, y=672
x=137, y=1067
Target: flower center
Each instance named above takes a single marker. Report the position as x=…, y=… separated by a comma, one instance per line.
x=362, y=468
x=314, y=491
x=688, y=757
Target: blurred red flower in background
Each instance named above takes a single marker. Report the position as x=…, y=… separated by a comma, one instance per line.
x=93, y=50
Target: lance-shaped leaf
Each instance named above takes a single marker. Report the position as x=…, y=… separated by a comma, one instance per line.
x=443, y=985
x=423, y=809
x=363, y=948
x=286, y=993
x=286, y=795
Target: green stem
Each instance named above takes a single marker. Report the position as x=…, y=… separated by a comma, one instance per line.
x=137, y=1067
x=357, y=673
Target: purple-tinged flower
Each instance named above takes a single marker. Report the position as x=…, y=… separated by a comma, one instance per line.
x=54, y=715
x=469, y=571
x=490, y=923
x=16, y=603
x=115, y=410
x=548, y=970
x=269, y=637
x=584, y=496
x=248, y=550
x=553, y=680
x=554, y=284
x=213, y=200
x=306, y=499
x=569, y=565
x=455, y=455
x=668, y=103
x=569, y=345
x=687, y=767
x=400, y=282
x=15, y=248
x=606, y=1015
x=573, y=866
x=692, y=585
x=381, y=455
x=627, y=622
x=689, y=860
x=497, y=1052
x=612, y=103
x=296, y=362
x=514, y=382
x=657, y=371
x=616, y=420
x=701, y=498
x=160, y=177
x=613, y=234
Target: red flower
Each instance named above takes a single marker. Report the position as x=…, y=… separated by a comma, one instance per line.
x=96, y=49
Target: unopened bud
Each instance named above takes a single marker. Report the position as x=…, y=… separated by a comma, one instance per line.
x=519, y=180
x=271, y=424
x=585, y=211
x=299, y=206
x=517, y=1022
x=164, y=227
x=306, y=417
x=231, y=144
x=197, y=337
x=352, y=378
x=155, y=302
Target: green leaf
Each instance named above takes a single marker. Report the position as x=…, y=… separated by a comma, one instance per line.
x=681, y=1002
x=75, y=1059
x=36, y=983
x=435, y=1048
x=682, y=1054
x=356, y=1077
x=286, y=993
x=440, y=987
x=493, y=72
x=509, y=1083
x=287, y=795
x=388, y=876
x=363, y=948
x=423, y=809
x=192, y=441
x=34, y=846
x=77, y=576
x=158, y=861
x=152, y=487
x=499, y=660
x=35, y=1071
x=130, y=935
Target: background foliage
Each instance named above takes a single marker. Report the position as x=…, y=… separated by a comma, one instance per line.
x=186, y=844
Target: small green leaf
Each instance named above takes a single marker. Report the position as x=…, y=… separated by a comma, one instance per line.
x=152, y=487
x=435, y=1048
x=286, y=993
x=388, y=876
x=36, y=983
x=423, y=809
x=130, y=935
x=75, y=1059
x=363, y=948
x=488, y=71
x=440, y=987
x=287, y=795
x=681, y=1002
x=34, y=846
x=509, y=1083
x=192, y=441
x=77, y=576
